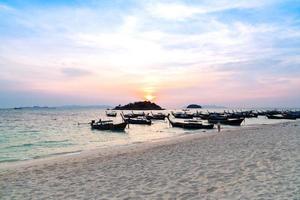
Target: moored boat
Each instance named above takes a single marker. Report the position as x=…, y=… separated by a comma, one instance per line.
x=138, y=114
x=182, y=115
x=111, y=114
x=133, y=114
x=156, y=116
x=232, y=122
x=293, y=114
x=137, y=120
x=217, y=116
x=281, y=116
x=108, y=125
x=190, y=124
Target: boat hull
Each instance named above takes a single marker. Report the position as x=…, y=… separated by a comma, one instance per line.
x=109, y=126
x=231, y=122
x=138, y=121
x=111, y=115
x=192, y=126
x=150, y=117
x=281, y=117
x=182, y=116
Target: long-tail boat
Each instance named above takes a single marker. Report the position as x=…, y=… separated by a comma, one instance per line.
x=281, y=116
x=217, y=116
x=111, y=114
x=128, y=115
x=190, y=124
x=108, y=125
x=182, y=115
x=156, y=116
x=232, y=122
x=137, y=120
x=292, y=114
x=138, y=114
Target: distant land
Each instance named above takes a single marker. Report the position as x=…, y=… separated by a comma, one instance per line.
x=140, y=105
x=64, y=106
x=190, y=106
x=194, y=106
x=33, y=107
x=213, y=106
x=85, y=106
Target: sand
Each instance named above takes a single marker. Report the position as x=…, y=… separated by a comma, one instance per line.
x=260, y=162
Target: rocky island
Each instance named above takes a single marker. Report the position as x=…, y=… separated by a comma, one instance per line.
x=140, y=105
x=194, y=106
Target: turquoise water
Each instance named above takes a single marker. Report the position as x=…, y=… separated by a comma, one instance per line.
x=34, y=133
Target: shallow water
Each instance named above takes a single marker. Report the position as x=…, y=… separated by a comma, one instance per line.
x=35, y=133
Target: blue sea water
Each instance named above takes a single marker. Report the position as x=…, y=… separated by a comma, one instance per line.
x=35, y=133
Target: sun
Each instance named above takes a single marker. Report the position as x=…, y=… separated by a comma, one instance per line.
x=149, y=97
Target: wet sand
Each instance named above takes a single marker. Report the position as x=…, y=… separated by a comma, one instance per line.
x=260, y=162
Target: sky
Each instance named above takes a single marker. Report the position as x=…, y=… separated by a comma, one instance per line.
x=227, y=52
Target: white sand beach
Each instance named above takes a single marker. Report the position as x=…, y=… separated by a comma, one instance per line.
x=260, y=162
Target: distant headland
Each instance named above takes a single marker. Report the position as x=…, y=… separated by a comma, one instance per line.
x=140, y=105
x=33, y=107
x=57, y=107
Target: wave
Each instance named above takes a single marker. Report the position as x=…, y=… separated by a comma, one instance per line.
x=43, y=143
x=57, y=154
x=9, y=160
x=21, y=145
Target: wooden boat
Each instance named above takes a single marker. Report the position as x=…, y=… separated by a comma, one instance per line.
x=182, y=115
x=273, y=112
x=133, y=115
x=232, y=122
x=190, y=124
x=241, y=114
x=217, y=117
x=282, y=116
x=137, y=120
x=108, y=125
x=261, y=112
x=111, y=114
x=253, y=115
x=203, y=116
x=128, y=115
x=138, y=114
x=295, y=114
x=157, y=116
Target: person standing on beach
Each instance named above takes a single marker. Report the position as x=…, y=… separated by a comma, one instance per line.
x=219, y=127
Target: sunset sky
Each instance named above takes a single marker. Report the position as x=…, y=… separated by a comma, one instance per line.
x=225, y=52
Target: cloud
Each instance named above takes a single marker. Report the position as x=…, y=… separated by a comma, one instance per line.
x=183, y=11
x=174, y=11
x=75, y=72
x=4, y=7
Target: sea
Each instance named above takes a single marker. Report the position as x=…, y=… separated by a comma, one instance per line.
x=32, y=133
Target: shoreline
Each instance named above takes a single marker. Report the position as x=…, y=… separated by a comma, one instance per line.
x=112, y=151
